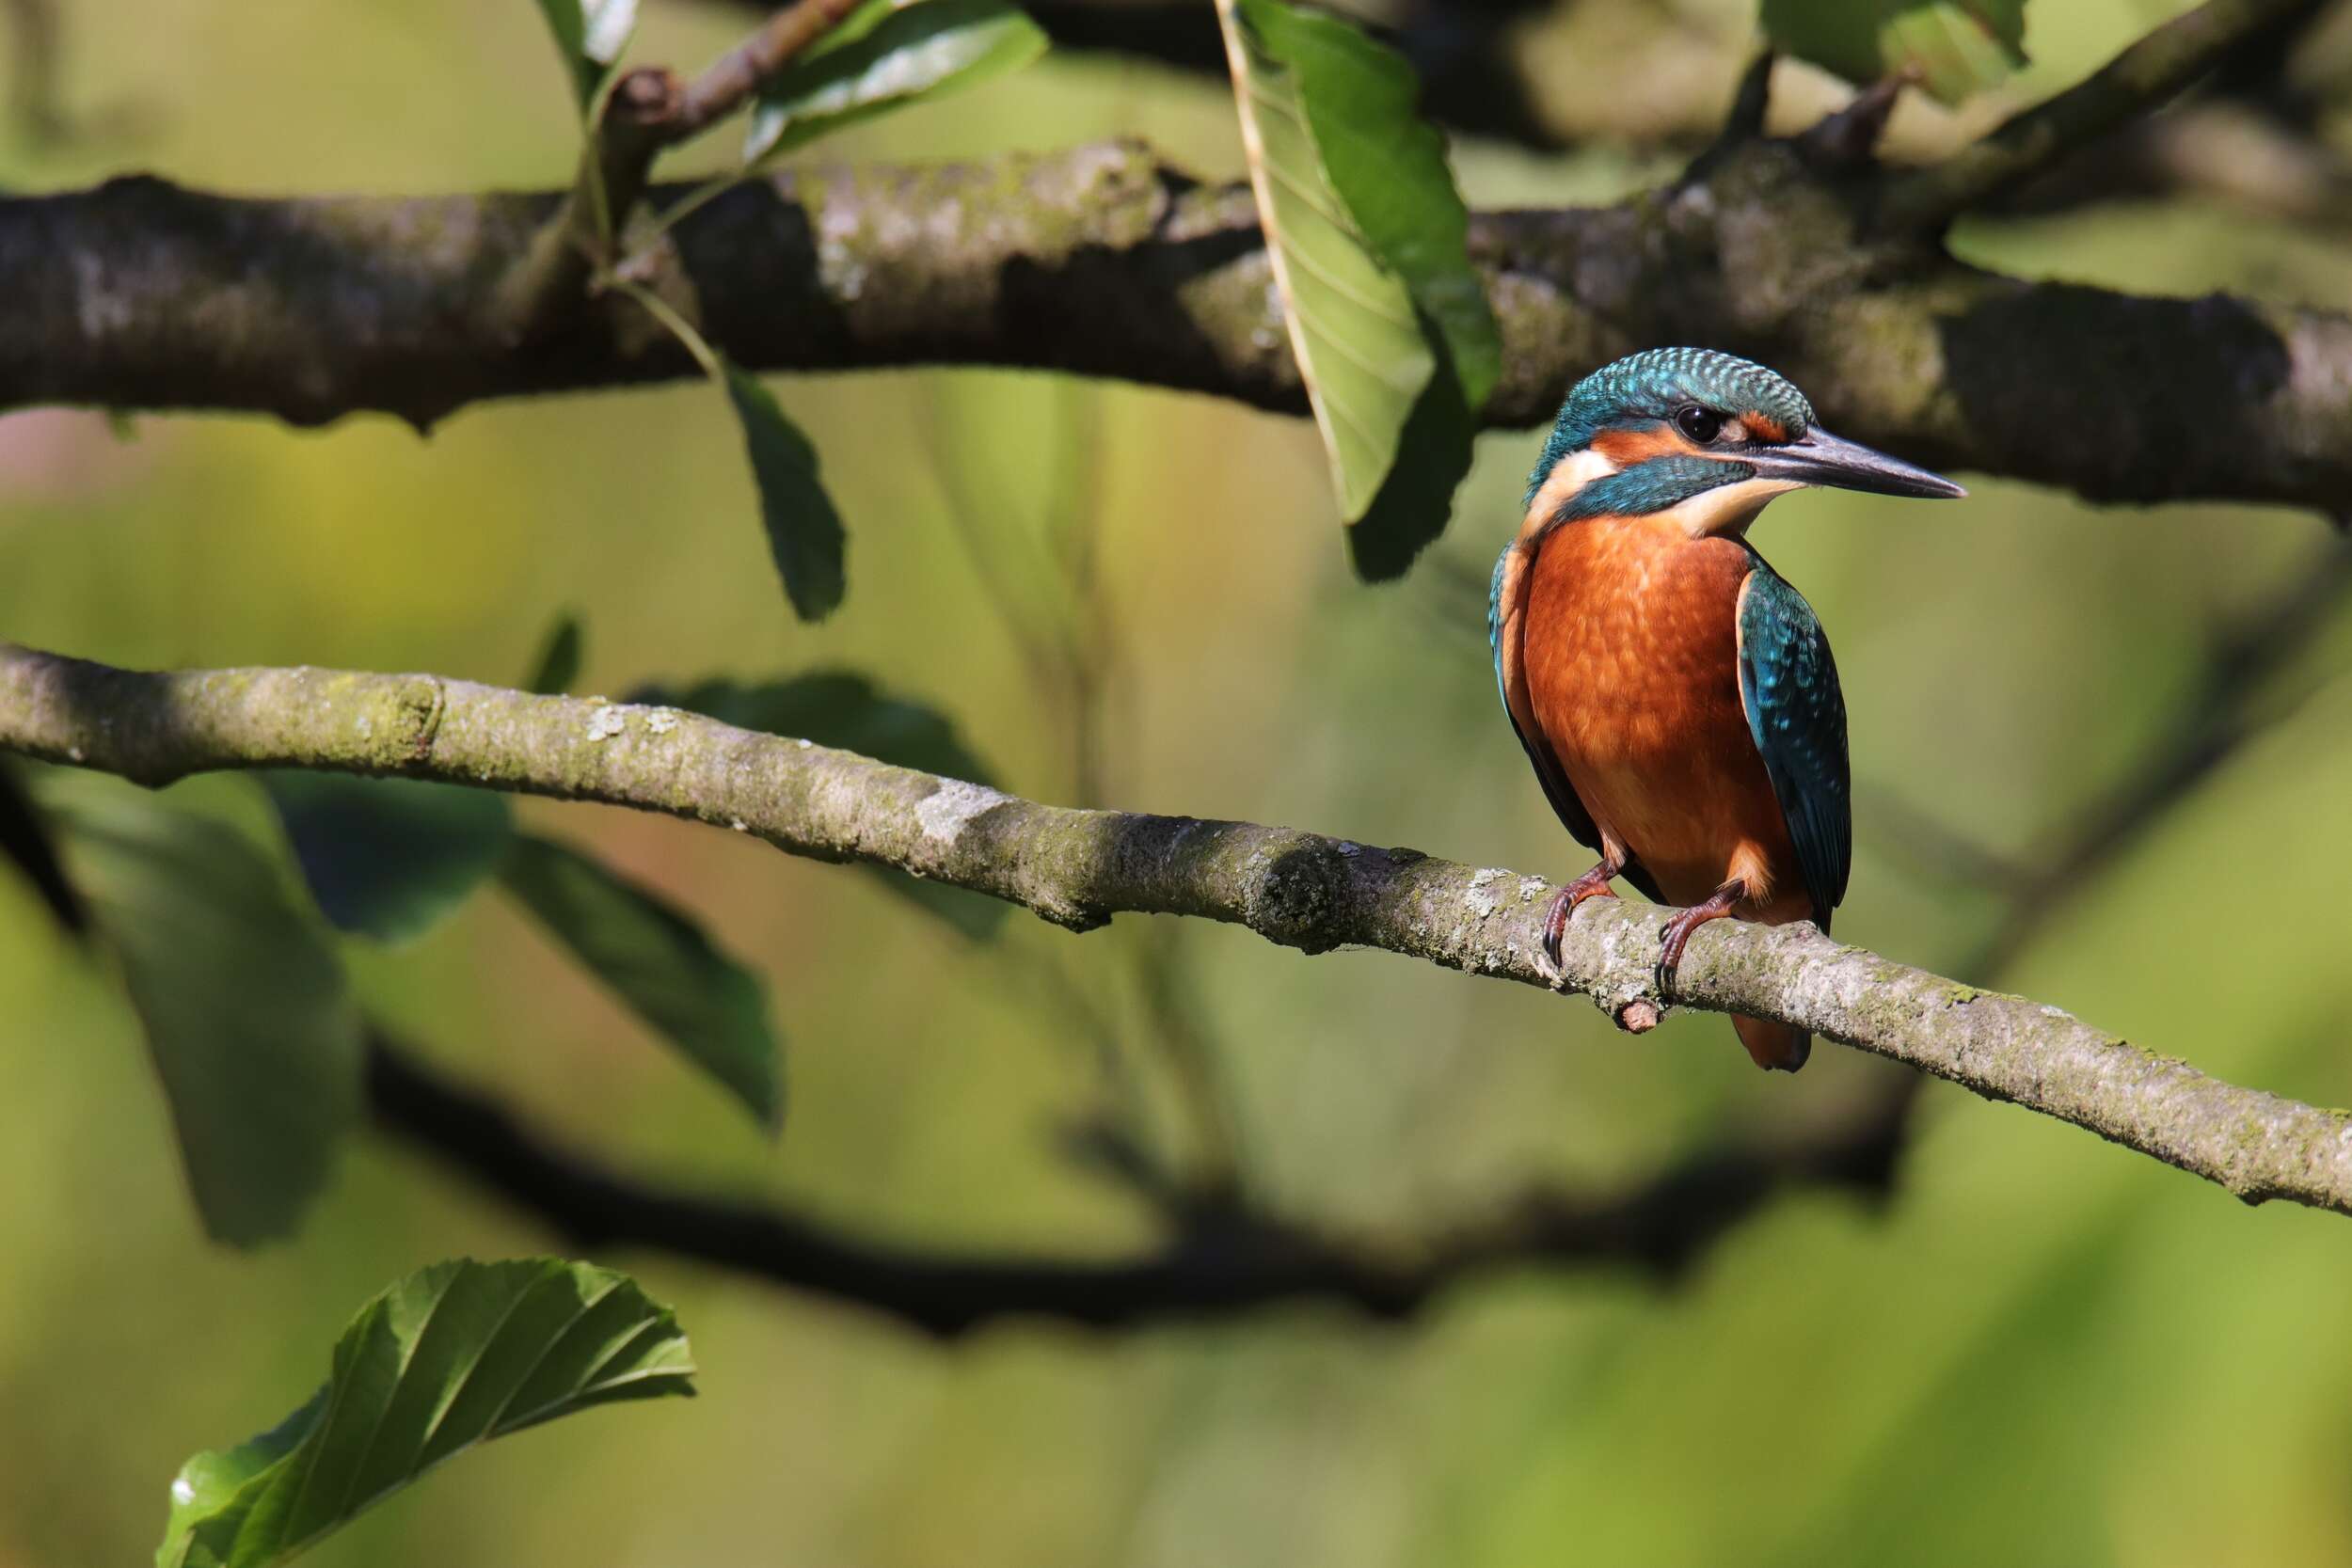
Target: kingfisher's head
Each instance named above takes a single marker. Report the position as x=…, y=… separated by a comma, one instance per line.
x=1703, y=439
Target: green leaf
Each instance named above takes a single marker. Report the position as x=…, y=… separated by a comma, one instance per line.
x=1956, y=46
x=885, y=57
x=450, y=1356
x=558, y=664
x=244, y=1005
x=389, y=857
x=1433, y=456
x=804, y=533
x=27, y=844
x=590, y=35
x=1388, y=167
x=656, y=959
x=1352, y=323
x=844, y=709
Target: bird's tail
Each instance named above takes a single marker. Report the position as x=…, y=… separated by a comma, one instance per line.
x=1773, y=1045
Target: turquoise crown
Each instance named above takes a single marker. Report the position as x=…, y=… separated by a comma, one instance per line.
x=1652, y=385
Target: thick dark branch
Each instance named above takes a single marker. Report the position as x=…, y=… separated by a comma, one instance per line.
x=1219, y=1262
x=2142, y=77
x=1077, y=868
x=1104, y=261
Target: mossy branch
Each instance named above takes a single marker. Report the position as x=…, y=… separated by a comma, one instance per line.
x=1104, y=261
x=1077, y=868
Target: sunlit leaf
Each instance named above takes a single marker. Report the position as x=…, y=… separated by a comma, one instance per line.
x=558, y=664
x=1353, y=326
x=804, y=532
x=886, y=58
x=244, y=1005
x=389, y=857
x=844, y=709
x=1388, y=167
x=590, y=35
x=659, y=961
x=452, y=1356
x=1956, y=47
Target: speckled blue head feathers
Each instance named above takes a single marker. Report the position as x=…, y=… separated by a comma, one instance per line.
x=1669, y=424
x=1649, y=387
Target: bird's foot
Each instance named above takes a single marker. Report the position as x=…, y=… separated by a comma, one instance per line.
x=1592, y=884
x=1718, y=906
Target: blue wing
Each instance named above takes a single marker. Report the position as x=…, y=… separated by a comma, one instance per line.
x=1788, y=685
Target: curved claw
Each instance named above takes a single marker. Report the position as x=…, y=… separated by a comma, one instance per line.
x=1676, y=935
x=1592, y=884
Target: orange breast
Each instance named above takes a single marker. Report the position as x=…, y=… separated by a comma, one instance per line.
x=1631, y=652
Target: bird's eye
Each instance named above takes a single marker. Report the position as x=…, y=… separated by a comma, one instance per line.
x=1700, y=424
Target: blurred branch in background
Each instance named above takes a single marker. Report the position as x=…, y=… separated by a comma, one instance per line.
x=1077, y=868
x=2151, y=71
x=1220, y=1260
x=1554, y=75
x=1465, y=51
x=2251, y=139
x=2233, y=703
x=1069, y=644
x=2215, y=720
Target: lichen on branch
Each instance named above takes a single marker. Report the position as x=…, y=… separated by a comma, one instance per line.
x=1077, y=868
x=1104, y=261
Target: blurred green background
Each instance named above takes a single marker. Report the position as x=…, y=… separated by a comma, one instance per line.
x=2041, y=1349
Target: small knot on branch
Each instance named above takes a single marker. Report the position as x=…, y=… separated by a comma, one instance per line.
x=1638, y=1017
x=649, y=96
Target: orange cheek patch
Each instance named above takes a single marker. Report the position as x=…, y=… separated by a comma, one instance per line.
x=1625, y=448
x=1766, y=430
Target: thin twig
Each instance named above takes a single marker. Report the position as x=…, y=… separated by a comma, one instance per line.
x=647, y=112
x=734, y=76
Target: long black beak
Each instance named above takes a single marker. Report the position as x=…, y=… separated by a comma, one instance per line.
x=1817, y=457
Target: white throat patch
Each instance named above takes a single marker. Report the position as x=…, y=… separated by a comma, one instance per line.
x=1728, y=508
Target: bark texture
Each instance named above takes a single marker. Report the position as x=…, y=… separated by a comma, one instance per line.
x=1104, y=261
x=1077, y=868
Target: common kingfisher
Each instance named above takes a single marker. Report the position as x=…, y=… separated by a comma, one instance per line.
x=1678, y=697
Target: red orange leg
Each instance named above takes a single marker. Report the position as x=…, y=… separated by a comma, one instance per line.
x=1718, y=906
x=1592, y=884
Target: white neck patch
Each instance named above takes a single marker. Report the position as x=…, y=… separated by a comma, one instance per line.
x=1728, y=508
x=1568, y=477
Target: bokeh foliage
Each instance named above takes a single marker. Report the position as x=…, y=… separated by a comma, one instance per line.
x=2043, y=1349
